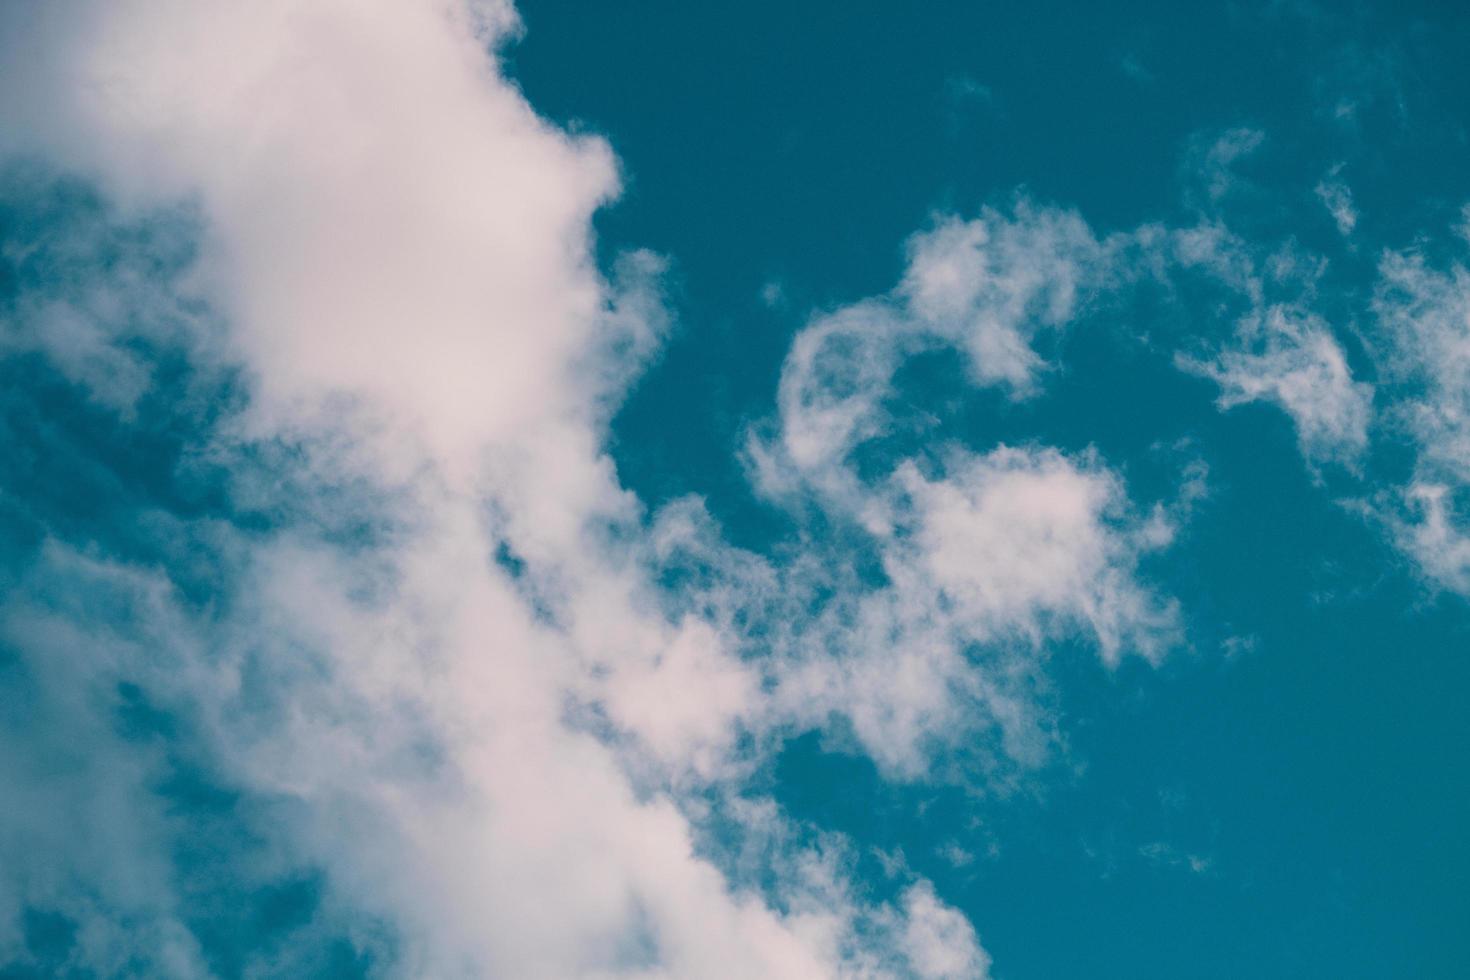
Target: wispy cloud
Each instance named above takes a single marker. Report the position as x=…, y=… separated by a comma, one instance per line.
x=1337, y=198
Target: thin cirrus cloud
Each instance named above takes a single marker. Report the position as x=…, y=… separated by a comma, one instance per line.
x=1412, y=329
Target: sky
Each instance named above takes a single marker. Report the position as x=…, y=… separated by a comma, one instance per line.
x=665, y=490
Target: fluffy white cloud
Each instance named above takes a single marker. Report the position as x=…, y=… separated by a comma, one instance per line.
x=374, y=197
x=487, y=760
x=983, y=565
x=1016, y=538
x=940, y=942
x=982, y=559
x=989, y=284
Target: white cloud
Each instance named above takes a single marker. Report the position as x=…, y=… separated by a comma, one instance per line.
x=90, y=295
x=1290, y=357
x=989, y=284
x=1337, y=197
x=1415, y=334
x=398, y=250
x=1281, y=351
x=1434, y=533
x=940, y=943
x=1424, y=315
x=523, y=849
x=985, y=288
x=1417, y=338
x=1015, y=537
x=983, y=567
x=836, y=378
x=984, y=563
x=375, y=198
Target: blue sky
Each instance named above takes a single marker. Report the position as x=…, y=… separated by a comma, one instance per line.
x=649, y=490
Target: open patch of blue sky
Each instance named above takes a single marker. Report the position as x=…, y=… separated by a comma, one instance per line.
x=788, y=490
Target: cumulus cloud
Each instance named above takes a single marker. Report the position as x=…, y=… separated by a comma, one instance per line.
x=343, y=151
x=939, y=941
x=449, y=679
x=1015, y=536
x=475, y=721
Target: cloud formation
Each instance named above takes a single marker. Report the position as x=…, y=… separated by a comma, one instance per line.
x=1290, y=357
x=332, y=642
x=985, y=558
x=440, y=676
x=1423, y=309
x=467, y=725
